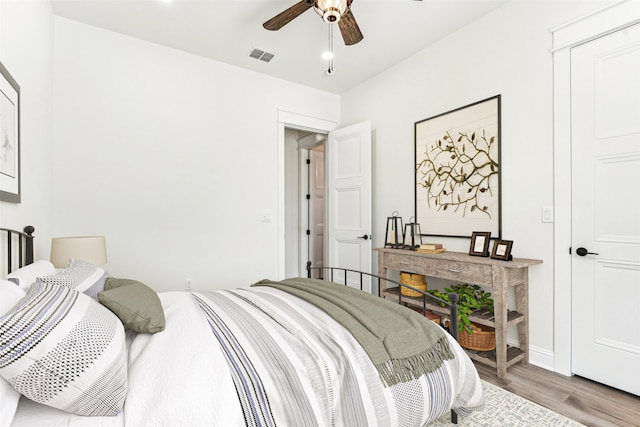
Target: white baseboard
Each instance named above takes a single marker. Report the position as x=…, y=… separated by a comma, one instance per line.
x=542, y=358
x=538, y=356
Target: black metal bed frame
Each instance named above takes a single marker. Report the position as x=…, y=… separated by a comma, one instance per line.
x=360, y=275
x=24, y=246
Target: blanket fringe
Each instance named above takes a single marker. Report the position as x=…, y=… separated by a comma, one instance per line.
x=396, y=371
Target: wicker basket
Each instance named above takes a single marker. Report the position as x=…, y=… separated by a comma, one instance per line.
x=482, y=339
x=415, y=281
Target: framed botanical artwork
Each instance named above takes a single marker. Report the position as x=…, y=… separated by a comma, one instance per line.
x=502, y=250
x=9, y=138
x=457, y=170
x=480, y=243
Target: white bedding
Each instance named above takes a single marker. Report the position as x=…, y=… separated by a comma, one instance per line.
x=181, y=376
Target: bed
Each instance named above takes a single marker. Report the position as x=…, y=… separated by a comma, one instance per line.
x=104, y=351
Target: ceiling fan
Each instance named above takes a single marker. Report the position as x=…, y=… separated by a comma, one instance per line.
x=331, y=11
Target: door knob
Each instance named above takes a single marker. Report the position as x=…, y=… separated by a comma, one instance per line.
x=365, y=237
x=583, y=251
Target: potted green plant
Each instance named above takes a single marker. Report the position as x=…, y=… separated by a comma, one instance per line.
x=470, y=298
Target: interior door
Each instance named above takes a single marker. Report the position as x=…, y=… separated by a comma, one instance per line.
x=348, y=181
x=605, y=135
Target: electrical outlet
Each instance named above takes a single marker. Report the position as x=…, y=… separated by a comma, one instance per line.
x=187, y=284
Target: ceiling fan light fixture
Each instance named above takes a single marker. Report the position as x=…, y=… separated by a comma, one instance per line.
x=327, y=55
x=330, y=10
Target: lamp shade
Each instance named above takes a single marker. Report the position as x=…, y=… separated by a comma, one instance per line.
x=92, y=249
x=330, y=10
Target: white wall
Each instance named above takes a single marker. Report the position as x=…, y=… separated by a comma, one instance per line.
x=26, y=50
x=506, y=52
x=173, y=157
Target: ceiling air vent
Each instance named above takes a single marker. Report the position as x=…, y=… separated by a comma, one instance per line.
x=261, y=55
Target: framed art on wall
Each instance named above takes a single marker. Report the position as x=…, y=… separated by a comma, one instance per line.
x=457, y=170
x=9, y=138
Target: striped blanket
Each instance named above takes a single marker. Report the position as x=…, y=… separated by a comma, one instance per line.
x=402, y=345
x=292, y=365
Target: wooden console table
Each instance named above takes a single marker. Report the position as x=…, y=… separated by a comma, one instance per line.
x=463, y=268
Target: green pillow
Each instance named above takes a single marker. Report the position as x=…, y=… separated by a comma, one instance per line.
x=136, y=304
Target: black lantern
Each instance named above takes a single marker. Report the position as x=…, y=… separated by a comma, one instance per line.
x=393, y=236
x=412, y=236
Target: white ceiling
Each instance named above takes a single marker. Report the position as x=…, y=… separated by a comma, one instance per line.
x=228, y=31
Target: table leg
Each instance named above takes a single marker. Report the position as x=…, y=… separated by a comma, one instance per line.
x=500, y=312
x=522, y=306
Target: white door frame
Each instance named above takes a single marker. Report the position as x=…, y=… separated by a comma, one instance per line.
x=287, y=119
x=589, y=27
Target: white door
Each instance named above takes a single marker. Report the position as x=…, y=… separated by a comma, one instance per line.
x=605, y=145
x=348, y=219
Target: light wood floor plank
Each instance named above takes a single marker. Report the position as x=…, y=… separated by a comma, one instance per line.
x=580, y=399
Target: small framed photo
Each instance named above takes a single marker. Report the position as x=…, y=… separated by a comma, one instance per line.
x=502, y=250
x=480, y=243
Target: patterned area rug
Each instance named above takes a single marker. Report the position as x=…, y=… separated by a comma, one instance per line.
x=503, y=409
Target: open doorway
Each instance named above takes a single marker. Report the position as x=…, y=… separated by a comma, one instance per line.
x=304, y=201
x=347, y=230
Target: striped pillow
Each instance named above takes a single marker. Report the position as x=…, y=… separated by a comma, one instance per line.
x=81, y=276
x=62, y=349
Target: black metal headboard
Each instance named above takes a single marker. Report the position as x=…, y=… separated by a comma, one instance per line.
x=20, y=242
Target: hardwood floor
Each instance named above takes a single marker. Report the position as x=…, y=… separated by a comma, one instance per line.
x=580, y=399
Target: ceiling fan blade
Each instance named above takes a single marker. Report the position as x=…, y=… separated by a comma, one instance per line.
x=351, y=33
x=288, y=15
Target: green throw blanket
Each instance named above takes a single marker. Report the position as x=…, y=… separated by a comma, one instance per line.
x=401, y=344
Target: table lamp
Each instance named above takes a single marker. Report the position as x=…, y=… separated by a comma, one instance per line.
x=92, y=249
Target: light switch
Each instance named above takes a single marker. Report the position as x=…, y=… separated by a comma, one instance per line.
x=547, y=214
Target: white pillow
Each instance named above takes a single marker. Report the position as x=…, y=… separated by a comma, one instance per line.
x=79, y=275
x=26, y=275
x=10, y=294
x=64, y=350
